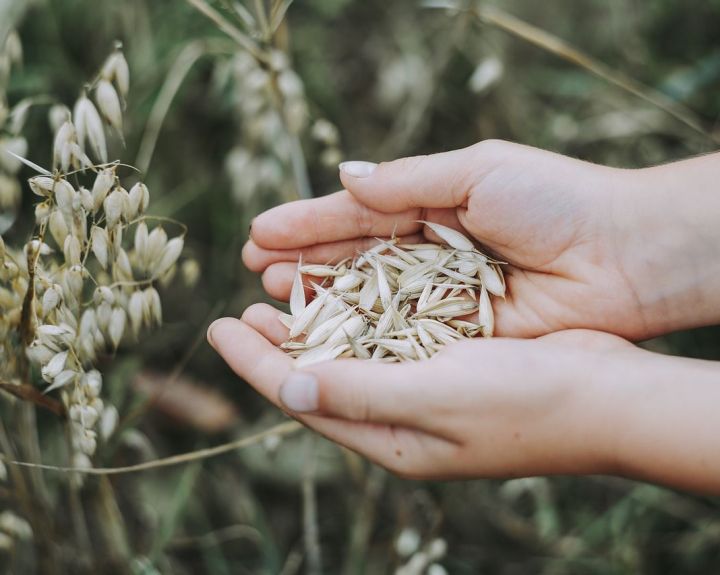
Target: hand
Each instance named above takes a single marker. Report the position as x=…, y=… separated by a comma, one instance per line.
x=590, y=246
x=479, y=408
x=575, y=402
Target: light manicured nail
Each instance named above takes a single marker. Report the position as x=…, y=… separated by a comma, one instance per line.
x=299, y=393
x=358, y=169
x=210, y=332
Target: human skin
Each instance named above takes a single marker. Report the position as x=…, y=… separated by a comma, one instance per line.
x=628, y=252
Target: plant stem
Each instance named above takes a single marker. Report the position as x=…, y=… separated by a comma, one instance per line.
x=310, y=520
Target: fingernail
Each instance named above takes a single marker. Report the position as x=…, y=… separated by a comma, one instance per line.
x=358, y=169
x=299, y=393
x=210, y=332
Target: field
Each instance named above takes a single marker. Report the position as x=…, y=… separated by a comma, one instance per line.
x=238, y=106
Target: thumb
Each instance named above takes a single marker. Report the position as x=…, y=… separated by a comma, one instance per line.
x=356, y=390
x=435, y=181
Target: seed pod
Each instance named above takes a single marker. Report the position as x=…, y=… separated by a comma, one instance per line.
x=141, y=244
x=104, y=315
x=71, y=250
x=104, y=182
x=99, y=243
x=450, y=236
x=16, y=145
x=308, y=315
x=50, y=300
x=58, y=227
x=157, y=240
x=42, y=186
x=54, y=366
x=74, y=281
x=88, y=443
x=113, y=206
x=347, y=282
x=135, y=311
x=190, y=272
x=319, y=271
x=61, y=146
x=116, y=238
x=109, y=104
x=485, y=314
x=79, y=158
x=57, y=116
x=320, y=354
x=108, y=421
x=64, y=196
x=297, y=293
x=116, y=329
x=86, y=199
x=369, y=293
x=122, y=268
x=39, y=353
x=115, y=69
x=36, y=246
x=383, y=286
x=137, y=198
x=88, y=323
x=128, y=213
x=89, y=127
x=170, y=255
x=64, y=378
x=92, y=383
x=351, y=329
x=491, y=280
x=104, y=294
x=153, y=303
x=321, y=334
x=54, y=332
x=145, y=200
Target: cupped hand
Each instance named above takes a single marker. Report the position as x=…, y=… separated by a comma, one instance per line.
x=550, y=216
x=479, y=408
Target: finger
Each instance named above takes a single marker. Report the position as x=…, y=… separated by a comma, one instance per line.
x=436, y=181
x=278, y=279
x=265, y=319
x=255, y=359
x=364, y=391
x=257, y=259
x=332, y=218
x=250, y=355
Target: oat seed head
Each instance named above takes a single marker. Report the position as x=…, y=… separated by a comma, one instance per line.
x=88, y=276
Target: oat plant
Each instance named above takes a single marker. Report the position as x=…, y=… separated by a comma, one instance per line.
x=85, y=283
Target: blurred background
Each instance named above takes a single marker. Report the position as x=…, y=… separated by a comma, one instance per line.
x=236, y=106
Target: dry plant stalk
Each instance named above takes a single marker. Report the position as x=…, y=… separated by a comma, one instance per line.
x=394, y=302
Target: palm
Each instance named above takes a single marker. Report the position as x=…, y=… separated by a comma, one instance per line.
x=564, y=273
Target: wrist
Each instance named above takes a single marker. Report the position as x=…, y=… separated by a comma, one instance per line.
x=600, y=396
x=667, y=230
x=666, y=425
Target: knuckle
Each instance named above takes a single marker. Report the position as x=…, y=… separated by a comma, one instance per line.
x=492, y=149
x=410, y=164
x=358, y=404
x=250, y=257
x=363, y=219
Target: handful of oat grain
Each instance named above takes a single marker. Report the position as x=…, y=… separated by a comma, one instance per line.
x=394, y=302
